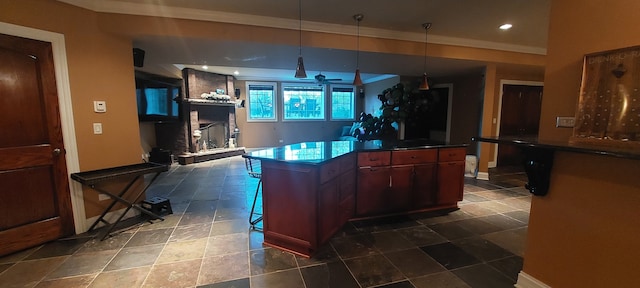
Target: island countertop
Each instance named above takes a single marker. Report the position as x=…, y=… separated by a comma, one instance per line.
x=323, y=151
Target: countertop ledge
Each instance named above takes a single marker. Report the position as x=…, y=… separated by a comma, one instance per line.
x=619, y=152
x=316, y=153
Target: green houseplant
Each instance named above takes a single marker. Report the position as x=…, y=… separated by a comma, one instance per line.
x=399, y=104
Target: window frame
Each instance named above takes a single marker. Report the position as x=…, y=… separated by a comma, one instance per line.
x=353, y=102
x=274, y=85
x=322, y=105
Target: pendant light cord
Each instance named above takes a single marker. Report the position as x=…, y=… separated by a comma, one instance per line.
x=358, y=43
x=300, y=27
x=426, y=27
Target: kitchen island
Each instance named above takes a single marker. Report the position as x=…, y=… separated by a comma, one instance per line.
x=311, y=189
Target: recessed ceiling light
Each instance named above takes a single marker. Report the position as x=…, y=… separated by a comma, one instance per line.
x=505, y=26
x=205, y=67
x=236, y=72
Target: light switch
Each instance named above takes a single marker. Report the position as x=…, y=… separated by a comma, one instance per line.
x=97, y=128
x=99, y=106
x=566, y=122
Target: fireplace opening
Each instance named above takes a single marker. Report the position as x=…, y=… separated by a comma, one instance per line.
x=213, y=135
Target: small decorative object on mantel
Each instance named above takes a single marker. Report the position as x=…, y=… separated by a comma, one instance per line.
x=608, y=112
x=215, y=96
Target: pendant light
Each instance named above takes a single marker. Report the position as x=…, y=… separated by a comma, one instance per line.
x=424, y=85
x=300, y=73
x=357, y=81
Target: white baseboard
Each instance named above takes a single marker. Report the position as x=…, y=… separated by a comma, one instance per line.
x=111, y=217
x=483, y=176
x=527, y=281
x=493, y=164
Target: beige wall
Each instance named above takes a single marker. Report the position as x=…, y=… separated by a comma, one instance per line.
x=100, y=68
x=585, y=232
x=98, y=47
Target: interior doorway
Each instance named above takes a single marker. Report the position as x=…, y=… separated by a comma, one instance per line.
x=435, y=123
x=40, y=221
x=519, y=116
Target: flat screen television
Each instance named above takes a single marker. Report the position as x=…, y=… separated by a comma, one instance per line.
x=158, y=98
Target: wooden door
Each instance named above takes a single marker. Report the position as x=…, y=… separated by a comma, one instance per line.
x=520, y=117
x=35, y=202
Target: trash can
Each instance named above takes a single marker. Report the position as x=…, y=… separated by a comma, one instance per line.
x=471, y=166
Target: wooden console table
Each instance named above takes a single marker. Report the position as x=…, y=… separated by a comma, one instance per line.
x=92, y=178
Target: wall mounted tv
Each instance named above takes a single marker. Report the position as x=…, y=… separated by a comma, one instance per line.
x=158, y=97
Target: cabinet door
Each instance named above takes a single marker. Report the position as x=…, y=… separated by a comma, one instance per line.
x=401, y=188
x=424, y=185
x=328, y=217
x=450, y=182
x=373, y=189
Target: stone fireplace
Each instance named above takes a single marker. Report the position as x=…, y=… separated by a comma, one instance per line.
x=207, y=123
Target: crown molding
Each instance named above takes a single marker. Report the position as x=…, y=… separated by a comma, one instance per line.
x=283, y=23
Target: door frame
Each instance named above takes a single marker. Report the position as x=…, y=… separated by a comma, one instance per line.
x=494, y=162
x=449, y=107
x=66, y=110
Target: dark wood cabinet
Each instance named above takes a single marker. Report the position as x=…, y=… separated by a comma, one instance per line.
x=307, y=203
x=399, y=181
x=450, y=175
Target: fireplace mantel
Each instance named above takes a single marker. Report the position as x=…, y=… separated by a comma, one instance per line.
x=194, y=101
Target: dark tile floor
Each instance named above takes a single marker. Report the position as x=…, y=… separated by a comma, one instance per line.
x=207, y=243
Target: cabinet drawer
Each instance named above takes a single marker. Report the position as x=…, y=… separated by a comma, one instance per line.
x=329, y=171
x=381, y=158
x=414, y=156
x=452, y=154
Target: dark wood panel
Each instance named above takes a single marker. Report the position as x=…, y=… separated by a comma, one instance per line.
x=414, y=156
x=22, y=237
x=450, y=182
x=25, y=156
x=290, y=200
x=373, y=189
x=424, y=185
x=23, y=200
x=381, y=158
x=451, y=154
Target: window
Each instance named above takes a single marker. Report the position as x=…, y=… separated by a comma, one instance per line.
x=303, y=101
x=262, y=101
x=342, y=102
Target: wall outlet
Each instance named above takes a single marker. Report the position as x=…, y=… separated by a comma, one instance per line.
x=280, y=140
x=566, y=122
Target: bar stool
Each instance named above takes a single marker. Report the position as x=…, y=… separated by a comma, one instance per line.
x=255, y=171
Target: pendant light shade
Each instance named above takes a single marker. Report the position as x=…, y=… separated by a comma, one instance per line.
x=357, y=81
x=424, y=84
x=300, y=72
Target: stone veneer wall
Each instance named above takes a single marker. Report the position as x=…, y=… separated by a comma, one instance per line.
x=177, y=137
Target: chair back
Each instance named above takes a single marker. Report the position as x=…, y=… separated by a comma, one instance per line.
x=253, y=167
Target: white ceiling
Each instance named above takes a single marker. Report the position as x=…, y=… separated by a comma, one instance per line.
x=471, y=23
